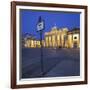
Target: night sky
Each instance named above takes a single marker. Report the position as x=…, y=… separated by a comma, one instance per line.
x=29, y=19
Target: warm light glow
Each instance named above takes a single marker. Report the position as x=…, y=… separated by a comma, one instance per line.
x=56, y=38
x=60, y=38
x=70, y=41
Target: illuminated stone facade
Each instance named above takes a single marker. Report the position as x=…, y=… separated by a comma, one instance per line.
x=74, y=38
x=31, y=42
x=58, y=38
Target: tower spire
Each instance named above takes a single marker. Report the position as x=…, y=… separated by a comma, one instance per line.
x=55, y=24
x=55, y=27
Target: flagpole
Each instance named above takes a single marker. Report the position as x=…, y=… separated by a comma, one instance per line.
x=40, y=28
x=42, y=66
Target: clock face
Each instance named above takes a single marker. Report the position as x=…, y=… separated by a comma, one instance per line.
x=40, y=26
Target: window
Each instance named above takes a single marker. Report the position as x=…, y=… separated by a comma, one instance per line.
x=75, y=37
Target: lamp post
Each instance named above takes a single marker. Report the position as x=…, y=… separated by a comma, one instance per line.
x=40, y=28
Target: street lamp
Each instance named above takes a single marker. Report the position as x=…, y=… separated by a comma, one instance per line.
x=40, y=28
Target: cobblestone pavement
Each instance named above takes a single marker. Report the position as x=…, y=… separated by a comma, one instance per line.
x=56, y=62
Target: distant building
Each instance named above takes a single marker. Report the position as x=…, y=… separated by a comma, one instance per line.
x=74, y=38
x=62, y=38
x=30, y=41
x=56, y=38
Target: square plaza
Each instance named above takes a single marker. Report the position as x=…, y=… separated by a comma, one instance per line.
x=58, y=62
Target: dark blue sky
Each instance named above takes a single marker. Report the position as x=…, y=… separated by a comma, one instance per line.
x=29, y=19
